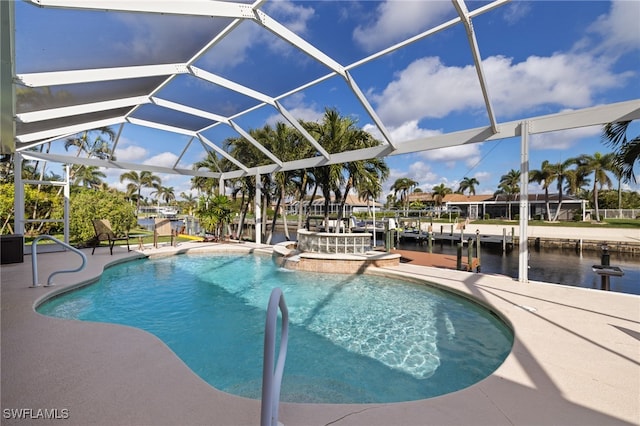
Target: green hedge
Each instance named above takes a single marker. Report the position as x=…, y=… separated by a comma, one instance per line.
x=88, y=204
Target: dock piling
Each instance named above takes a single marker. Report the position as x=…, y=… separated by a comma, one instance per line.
x=478, y=248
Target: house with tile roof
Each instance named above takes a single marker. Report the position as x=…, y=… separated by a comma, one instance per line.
x=501, y=206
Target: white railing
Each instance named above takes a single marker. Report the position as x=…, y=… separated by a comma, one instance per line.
x=616, y=213
x=332, y=243
x=272, y=377
x=34, y=259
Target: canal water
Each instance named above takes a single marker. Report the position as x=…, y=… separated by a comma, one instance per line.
x=558, y=266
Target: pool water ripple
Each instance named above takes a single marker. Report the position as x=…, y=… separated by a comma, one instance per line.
x=353, y=338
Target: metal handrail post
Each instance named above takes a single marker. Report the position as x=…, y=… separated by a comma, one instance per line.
x=272, y=378
x=34, y=259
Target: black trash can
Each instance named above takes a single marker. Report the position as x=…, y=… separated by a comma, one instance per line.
x=11, y=249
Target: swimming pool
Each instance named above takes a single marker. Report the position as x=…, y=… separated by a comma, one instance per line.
x=352, y=338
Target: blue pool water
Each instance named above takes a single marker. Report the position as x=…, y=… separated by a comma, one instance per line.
x=352, y=338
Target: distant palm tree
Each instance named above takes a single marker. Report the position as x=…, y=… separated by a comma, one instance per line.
x=403, y=186
x=545, y=177
x=190, y=200
x=599, y=165
x=468, y=184
x=97, y=147
x=206, y=185
x=439, y=192
x=509, y=186
x=369, y=190
x=106, y=188
x=165, y=193
x=560, y=172
x=627, y=151
x=88, y=176
x=137, y=181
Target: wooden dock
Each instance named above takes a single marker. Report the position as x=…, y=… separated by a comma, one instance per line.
x=447, y=261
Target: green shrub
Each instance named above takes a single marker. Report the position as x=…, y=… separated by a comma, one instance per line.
x=88, y=204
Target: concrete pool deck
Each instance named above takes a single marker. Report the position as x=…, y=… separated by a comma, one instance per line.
x=575, y=360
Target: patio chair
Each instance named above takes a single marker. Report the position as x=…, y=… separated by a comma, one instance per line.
x=163, y=228
x=104, y=232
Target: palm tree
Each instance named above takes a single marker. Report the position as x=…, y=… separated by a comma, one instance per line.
x=334, y=133
x=304, y=181
x=363, y=172
x=628, y=151
x=403, y=186
x=206, y=185
x=97, y=147
x=165, y=193
x=545, y=177
x=137, y=181
x=369, y=190
x=599, y=165
x=560, y=172
x=245, y=152
x=190, y=200
x=281, y=141
x=576, y=182
x=214, y=212
x=509, y=185
x=439, y=192
x=468, y=184
x=88, y=176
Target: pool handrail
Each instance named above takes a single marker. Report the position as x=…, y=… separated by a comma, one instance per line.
x=272, y=378
x=34, y=259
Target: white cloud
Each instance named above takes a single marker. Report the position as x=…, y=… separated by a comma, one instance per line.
x=418, y=171
x=164, y=159
x=394, y=23
x=469, y=153
x=427, y=88
x=160, y=38
x=619, y=29
x=131, y=153
x=514, y=11
x=563, y=140
x=295, y=17
x=405, y=132
x=234, y=49
x=296, y=105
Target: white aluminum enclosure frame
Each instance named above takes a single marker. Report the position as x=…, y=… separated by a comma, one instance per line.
x=237, y=13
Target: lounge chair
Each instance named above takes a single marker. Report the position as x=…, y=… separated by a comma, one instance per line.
x=105, y=233
x=163, y=228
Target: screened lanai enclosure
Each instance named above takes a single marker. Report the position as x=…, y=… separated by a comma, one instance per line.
x=174, y=79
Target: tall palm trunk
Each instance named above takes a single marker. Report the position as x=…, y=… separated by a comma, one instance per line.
x=595, y=198
x=243, y=214
x=274, y=220
x=555, y=216
x=343, y=202
x=546, y=203
x=284, y=218
x=303, y=187
x=313, y=197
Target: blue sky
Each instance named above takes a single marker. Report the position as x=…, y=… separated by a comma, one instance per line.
x=540, y=57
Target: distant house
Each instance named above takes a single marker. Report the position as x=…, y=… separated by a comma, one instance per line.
x=353, y=204
x=497, y=206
